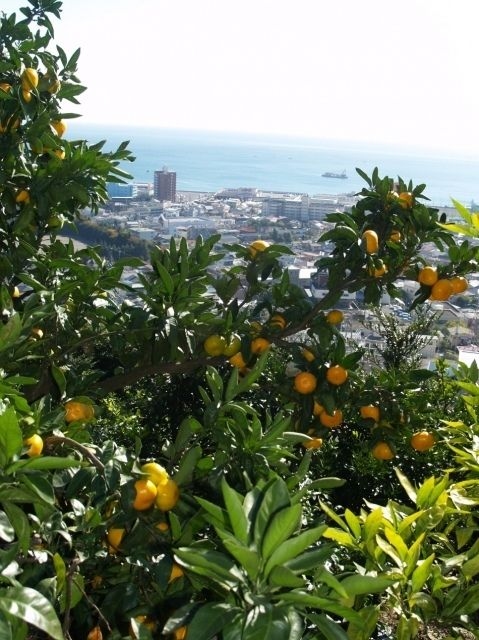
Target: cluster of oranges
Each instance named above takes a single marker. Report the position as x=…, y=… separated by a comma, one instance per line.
x=441, y=288
x=420, y=441
x=157, y=488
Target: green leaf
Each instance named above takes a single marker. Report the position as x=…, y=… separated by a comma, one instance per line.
x=293, y=547
x=213, y=564
x=397, y=542
x=247, y=558
x=331, y=630
x=59, y=378
x=471, y=567
x=282, y=526
x=283, y=577
x=356, y=584
x=19, y=522
x=216, y=515
x=422, y=573
x=209, y=620
x=11, y=438
x=353, y=523
x=234, y=507
x=33, y=608
x=275, y=496
x=406, y=485
x=369, y=618
x=344, y=538
x=43, y=463
x=188, y=464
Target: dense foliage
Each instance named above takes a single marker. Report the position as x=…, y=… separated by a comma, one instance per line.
x=206, y=456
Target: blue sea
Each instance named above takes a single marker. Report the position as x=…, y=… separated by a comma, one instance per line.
x=210, y=161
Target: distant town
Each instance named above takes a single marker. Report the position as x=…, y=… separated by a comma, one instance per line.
x=157, y=212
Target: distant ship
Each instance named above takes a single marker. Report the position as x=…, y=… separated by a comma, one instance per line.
x=331, y=174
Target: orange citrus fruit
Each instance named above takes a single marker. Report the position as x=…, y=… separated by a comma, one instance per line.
x=308, y=355
x=395, y=236
x=331, y=421
x=382, y=451
x=163, y=527
x=314, y=443
x=258, y=246
x=277, y=321
x=29, y=78
x=336, y=374
x=114, y=537
x=155, y=472
x=406, y=199
x=259, y=345
x=305, y=382
x=146, y=492
x=168, y=495
x=370, y=241
x=379, y=270
x=78, y=411
x=59, y=126
x=442, y=290
x=238, y=361
x=176, y=572
x=317, y=409
x=233, y=345
x=459, y=284
x=34, y=444
x=22, y=196
x=335, y=316
x=180, y=633
x=428, y=275
x=95, y=633
x=214, y=345
x=26, y=95
x=370, y=411
x=422, y=441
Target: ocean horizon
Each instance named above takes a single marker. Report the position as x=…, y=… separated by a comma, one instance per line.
x=208, y=161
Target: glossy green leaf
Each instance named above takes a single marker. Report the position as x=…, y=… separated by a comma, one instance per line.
x=31, y=607
x=209, y=620
x=293, y=547
x=234, y=507
x=19, y=521
x=422, y=572
x=282, y=526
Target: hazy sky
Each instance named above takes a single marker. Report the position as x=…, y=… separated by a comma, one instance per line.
x=375, y=70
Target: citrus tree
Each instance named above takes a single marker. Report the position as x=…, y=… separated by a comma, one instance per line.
x=218, y=534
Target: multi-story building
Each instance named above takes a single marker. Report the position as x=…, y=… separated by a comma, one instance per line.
x=164, y=185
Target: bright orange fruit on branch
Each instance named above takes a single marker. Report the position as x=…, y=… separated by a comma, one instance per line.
x=95, y=634
x=442, y=290
x=277, y=321
x=382, y=451
x=305, y=382
x=370, y=241
x=238, y=361
x=258, y=246
x=146, y=492
x=428, y=275
x=168, y=495
x=405, y=199
x=331, y=421
x=214, y=345
x=336, y=374
x=34, y=444
x=259, y=345
x=180, y=633
x=370, y=411
x=155, y=472
x=114, y=537
x=176, y=572
x=459, y=284
x=29, y=79
x=422, y=441
x=335, y=316
x=78, y=411
x=314, y=443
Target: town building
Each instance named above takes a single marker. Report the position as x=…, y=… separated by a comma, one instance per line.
x=164, y=185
